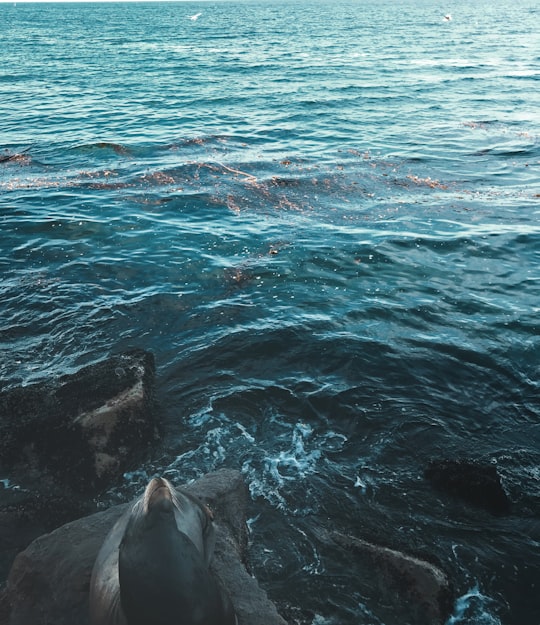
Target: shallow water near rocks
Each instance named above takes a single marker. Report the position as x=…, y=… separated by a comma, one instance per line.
x=323, y=220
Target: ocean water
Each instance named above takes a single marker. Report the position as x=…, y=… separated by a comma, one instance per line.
x=323, y=218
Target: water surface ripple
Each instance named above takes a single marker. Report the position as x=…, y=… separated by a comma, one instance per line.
x=323, y=220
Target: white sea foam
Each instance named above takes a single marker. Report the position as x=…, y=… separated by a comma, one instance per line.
x=361, y=484
x=274, y=471
x=295, y=462
x=244, y=432
x=473, y=607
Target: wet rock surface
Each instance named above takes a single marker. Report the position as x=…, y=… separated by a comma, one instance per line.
x=49, y=581
x=83, y=429
x=24, y=516
x=409, y=590
x=63, y=440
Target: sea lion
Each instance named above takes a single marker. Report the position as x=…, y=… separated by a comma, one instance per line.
x=153, y=568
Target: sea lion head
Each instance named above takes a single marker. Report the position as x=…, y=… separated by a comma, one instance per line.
x=165, y=506
x=158, y=498
x=156, y=508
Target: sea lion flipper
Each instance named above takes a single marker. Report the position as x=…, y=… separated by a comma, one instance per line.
x=105, y=607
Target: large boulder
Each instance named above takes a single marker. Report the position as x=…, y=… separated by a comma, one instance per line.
x=64, y=439
x=26, y=515
x=81, y=430
x=400, y=588
x=49, y=581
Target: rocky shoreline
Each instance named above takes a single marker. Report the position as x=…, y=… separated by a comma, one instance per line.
x=65, y=441
x=61, y=443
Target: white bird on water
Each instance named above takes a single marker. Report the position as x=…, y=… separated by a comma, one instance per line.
x=195, y=17
x=448, y=17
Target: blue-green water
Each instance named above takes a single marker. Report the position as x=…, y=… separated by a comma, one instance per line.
x=324, y=220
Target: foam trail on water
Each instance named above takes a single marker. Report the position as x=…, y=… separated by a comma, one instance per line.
x=472, y=607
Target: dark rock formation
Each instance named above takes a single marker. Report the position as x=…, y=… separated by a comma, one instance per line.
x=475, y=482
x=64, y=439
x=81, y=430
x=411, y=591
x=26, y=515
x=49, y=581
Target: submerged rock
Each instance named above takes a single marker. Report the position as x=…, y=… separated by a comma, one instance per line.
x=49, y=581
x=81, y=430
x=412, y=591
x=475, y=482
